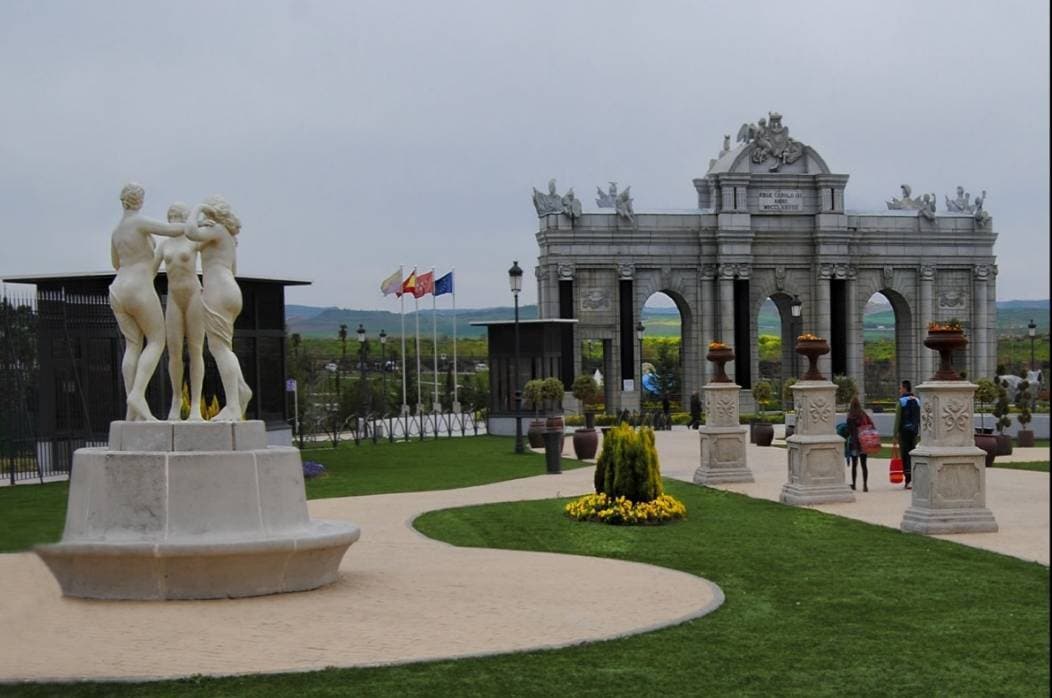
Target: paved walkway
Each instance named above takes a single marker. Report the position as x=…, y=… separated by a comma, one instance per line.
x=1019, y=499
x=401, y=598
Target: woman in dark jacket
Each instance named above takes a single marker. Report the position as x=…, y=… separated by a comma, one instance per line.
x=856, y=420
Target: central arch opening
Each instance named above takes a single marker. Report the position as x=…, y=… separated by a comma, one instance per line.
x=661, y=356
x=885, y=346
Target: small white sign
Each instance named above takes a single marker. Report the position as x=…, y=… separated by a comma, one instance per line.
x=290, y=385
x=628, y=385
x=780, y=200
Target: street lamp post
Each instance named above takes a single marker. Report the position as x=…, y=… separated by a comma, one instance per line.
x=795, y=307
x=361, y=365
x=515, y=281
x=383, y=367
x=334, y=408
x=1031, y=331
x=641, y=330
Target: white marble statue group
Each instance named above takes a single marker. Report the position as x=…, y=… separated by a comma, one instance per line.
x=194, y=311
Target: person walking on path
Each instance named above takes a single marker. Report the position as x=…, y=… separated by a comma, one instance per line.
x=856, y=420
x=695, y=410
x=666, y=411
x=907, y=424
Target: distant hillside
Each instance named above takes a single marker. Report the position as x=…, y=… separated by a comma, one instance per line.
x=311, y=321
x=325, y=322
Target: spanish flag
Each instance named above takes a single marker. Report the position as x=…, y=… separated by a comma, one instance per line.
x=409, y=285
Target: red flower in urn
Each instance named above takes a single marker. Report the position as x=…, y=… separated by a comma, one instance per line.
x=720, y=354
x=946, y=338
x=812, y=347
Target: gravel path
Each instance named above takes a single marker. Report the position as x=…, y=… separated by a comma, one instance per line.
x=401, y=598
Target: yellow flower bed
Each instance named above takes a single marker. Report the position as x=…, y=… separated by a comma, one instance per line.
x=621, y=511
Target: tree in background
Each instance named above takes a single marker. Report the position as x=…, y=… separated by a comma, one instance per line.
x=667, y=369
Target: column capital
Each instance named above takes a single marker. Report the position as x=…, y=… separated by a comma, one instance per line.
x=982, y=272
x=735, y=270
x=626, y=271
x=927, y=272
x=566, y=272
x=708, y=271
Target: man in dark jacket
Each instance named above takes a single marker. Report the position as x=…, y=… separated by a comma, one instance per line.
x=907, y=425
x=695, y=410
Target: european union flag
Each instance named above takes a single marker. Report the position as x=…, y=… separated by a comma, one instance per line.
x=444, y=284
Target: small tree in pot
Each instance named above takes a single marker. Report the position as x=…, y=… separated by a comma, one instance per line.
x=762, y=391
x=1004, y=441
x=533, y=396
x=985, y=393
x=1025, y=437
x=845, y=389
x=789, y=404
x=586, y=441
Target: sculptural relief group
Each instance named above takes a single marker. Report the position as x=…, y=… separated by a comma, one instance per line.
x=197, y=313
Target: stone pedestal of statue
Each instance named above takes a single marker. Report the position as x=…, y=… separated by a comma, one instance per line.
x=191, y=510
x=722, y=438
x=816, y=453
x=949, y=471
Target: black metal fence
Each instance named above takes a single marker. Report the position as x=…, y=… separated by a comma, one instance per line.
x=374, y=429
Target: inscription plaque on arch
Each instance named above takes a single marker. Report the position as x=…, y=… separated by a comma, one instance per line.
x=791, y=200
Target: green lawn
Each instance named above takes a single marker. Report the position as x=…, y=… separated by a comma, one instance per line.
x=816, y=605
x=32, y=514
x=1040, y=466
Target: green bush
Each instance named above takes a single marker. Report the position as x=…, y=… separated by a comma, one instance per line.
x=628, y=466
x=762, y=391
x=1001, y=408
x=845, y=389
x=585, y=389
x=533, y=393
x=1022, y=401
x=552, y=389
x=787, y=393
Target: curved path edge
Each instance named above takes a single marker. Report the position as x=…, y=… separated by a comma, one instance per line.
x=402, y=598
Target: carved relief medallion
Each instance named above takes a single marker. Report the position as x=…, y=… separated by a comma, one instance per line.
x=956, y=416
x=594, y=300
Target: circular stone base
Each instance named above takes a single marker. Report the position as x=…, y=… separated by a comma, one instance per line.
x=191, y=510
x=198, y=569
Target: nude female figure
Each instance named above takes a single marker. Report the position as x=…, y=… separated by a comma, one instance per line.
x=134, y=300
x=183, y=314
x=214, y=226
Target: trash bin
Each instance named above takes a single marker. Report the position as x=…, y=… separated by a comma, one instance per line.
x=553, y=441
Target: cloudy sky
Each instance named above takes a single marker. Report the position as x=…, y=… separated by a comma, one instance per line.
x=352, y=137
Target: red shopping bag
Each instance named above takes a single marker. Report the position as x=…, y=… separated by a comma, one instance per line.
x=895, y=471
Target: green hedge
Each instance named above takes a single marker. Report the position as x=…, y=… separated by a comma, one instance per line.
x=607, y=420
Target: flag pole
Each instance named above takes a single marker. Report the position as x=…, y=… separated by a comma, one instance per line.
x=456, y=394
x=416, y=305
x=401, y=298
x=436, y=405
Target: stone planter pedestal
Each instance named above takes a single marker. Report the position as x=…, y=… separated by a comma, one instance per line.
x=816, y=453
x=949, y=473
x=191, y=510
x=722, y=438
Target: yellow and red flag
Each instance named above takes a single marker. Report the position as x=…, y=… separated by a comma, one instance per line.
x=409, y=285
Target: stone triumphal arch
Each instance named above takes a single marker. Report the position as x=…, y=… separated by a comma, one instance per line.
x=769, y=222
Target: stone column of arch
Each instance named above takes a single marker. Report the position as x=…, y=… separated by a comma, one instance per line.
x=979, y=353
x=820, y=315
x=855, y=337
x=925, y=366
x=727, y=316
x=707, y=320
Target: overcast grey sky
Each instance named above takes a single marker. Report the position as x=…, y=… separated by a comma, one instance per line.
x=352, y=137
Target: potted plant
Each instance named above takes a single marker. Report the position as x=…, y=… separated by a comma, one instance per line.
x=845, y=390
x=552, y=394
x=763, y=431
x=789, y=406
x=985, y=393
x=533, y=396
x=586, y=440
x=1025, y=437
x=1004, y=441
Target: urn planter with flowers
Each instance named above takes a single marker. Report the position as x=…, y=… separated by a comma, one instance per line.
x=720, y=354
x=946, y=338
x=811, y=346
